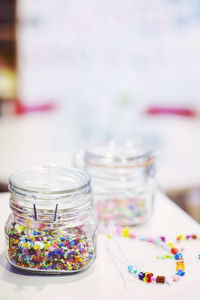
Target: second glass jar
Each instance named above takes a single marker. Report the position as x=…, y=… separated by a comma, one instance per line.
x=122, y=178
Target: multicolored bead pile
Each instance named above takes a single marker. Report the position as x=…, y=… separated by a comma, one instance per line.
x=129, y=211
x=67, y=250
x=162, y=242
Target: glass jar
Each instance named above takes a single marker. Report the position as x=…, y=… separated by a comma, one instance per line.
x=52, y=227
x=122, y=179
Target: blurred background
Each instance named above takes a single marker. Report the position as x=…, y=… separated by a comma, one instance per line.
x=74, y=71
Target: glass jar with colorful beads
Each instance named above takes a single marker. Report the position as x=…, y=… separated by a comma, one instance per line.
x=122, y=178
x=52, y=226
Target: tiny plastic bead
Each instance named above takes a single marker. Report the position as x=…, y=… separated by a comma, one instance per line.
x=125, y=232
x=178, y=256
x=130, y=269
x=174, y=250
x=149, y=277
x=160, y=279
x=180, y=265
x=180, y=273
x=150, y=240
x=118, y=230
x=153, y=278
x=180, y=237
x=163, y=239
x=175, y=277
x=194, y=236
x=141, y=275
x=132, y=235
x=145, y=277
x=142, y=238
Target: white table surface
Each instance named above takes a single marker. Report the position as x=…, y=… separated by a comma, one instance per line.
x=103, y=280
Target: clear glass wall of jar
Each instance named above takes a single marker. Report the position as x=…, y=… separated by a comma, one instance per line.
x=52, y=227
x=122, y=179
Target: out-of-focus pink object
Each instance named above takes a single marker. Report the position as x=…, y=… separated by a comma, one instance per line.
x=20, y=108
x=165, y=110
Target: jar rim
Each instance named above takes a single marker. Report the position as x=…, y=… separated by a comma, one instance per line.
x=52, y=181
x=117, y=154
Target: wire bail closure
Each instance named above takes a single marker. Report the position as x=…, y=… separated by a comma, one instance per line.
x=35, y=215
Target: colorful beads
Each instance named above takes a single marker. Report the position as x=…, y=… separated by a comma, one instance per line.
x=132, y=210
x=132, y=269
x=147, y=276
x=180, y=237
x=187, y=237
x=67, y=250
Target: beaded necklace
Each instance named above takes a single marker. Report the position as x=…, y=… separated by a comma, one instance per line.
x=179, y=238
x=161, y=242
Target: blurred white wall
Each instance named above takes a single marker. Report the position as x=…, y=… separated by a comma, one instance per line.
x=102, y=61
x=90, y=50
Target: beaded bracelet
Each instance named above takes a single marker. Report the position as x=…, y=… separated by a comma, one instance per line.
x=162, y=242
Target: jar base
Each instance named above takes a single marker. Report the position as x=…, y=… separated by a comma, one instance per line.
x=50, y=272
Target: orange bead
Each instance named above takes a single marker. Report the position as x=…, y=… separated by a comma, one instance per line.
x=180, y=265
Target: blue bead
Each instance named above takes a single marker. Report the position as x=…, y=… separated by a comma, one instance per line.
x=141, y=275
x=180, y=273
x=142, y=238
x=178, y=255
x=130, y=268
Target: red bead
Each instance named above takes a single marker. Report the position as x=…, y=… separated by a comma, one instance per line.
x=149, y=279
x=149, y=275
x=174, y=250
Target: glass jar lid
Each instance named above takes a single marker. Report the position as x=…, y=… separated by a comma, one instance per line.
x=113, y=154
x=49, y=182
